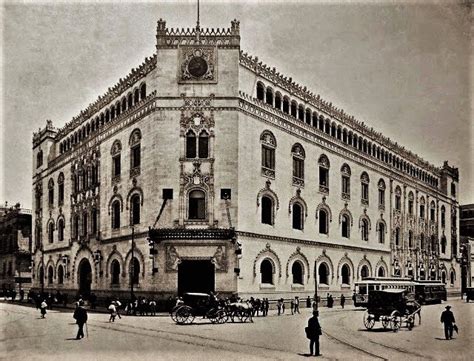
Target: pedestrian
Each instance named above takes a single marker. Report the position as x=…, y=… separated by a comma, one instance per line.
x=22, y=295
x=152, y=307
x=343, y=300
x=308, y=302
x=292, y=305
x=447, y=318
x=297, y=304
x=43, y=308
x=282, y=306
x=267, y=306
x=330, y=301
x=113, y=311
x=313, y=331
x=354, y=298
x=80, y=315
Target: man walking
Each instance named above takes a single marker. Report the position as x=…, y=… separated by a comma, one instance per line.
x=313, y=331
x=80, y=315
x=343, y=301
x=297, y=304
x=447, y=318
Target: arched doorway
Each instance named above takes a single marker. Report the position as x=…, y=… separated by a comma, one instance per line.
x=85, y=277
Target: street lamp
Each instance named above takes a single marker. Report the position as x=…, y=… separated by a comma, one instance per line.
x=132, y=268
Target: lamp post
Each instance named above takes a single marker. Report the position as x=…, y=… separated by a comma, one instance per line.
x=42, y=267
x=132, y=268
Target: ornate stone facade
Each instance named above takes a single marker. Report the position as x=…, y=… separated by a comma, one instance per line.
x=206, y=145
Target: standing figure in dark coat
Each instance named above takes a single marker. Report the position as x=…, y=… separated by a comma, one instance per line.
x=343, y=301
x=313, y=331
x=447, y=318
x=308, y=302
x=80, y=315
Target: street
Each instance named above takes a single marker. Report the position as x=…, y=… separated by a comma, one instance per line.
x=26, y=336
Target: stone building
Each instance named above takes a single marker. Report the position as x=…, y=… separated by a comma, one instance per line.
x=15, y=248
x=250, y=183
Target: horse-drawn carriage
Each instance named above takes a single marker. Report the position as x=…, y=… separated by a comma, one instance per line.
x=391, y=307
x=208, y=306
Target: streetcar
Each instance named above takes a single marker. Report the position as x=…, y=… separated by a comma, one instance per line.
x=368, y=284
x=430, y=292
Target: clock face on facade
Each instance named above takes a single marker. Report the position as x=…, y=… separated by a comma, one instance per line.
x=197, y=66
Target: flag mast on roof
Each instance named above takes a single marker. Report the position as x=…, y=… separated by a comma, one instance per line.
x=197, y=23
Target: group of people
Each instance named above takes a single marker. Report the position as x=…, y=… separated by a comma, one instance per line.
x=141, y=306
x=259, y=306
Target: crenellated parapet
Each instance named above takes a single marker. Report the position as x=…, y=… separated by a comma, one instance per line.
x=49, y=131
x=103, y=100
x=302, y=92
x=169, y=38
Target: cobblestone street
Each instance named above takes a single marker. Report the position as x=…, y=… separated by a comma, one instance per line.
x=27, y=336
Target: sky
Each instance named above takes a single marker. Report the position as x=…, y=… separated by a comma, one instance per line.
x=403, y=68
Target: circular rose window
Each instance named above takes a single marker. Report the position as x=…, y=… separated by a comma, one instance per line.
x=197, y=66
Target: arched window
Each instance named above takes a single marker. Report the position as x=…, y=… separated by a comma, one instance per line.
x=51, y=232
x=346, y=274
x=203, y=144
x=269, y=97
x=268, y=153
x=443, y=244
x=51, y=192
x=410, y=203
x=381, y=272
x=397, y=237
x=116, y=159
x=346, y=181
x=191, y=144
x=130, y=100
x=453, y=193
x=41, y=273
x=267, y=210
x=135, y=208
x=294, y=109
x=50, y=275
x=61, y=230
x=61, y=189
x=297, y=273
x=94, y=216
x=410, y=239
x=197, y=205
x=112, y=113
x=85, y=224
x=345, y=226
x=443, y=277
x=278, y=101
x=39, y=158
x=364, y=272
x=398, y=202
x=452, y=277
x=143, y=91
x=443, y=217
x=135, y=271
x=422, y=207
x=124, y=104
x=286, y=105
x=381, y=186
x=266, y=272
x=323, y=222
x=298, y=155
x=297, y=216
x=364, y=184
x=432, y=212
x=136, y=96
x=364, y=228
x=323, y=163
x=381, y=232
x=323, y=273
x=60, y=275
x=301, y=112
x=135, y=150
x=260, y=91
x=115, y=272
x=116, y=214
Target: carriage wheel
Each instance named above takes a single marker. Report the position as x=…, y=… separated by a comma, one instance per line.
x=222, y=316
x=173, y=313
x=212, y=315
x=184, y=315
x=385, y=321
x=395, y=321
x=369, y=320
x=410, y=322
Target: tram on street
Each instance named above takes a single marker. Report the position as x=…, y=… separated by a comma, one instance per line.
x=424, y=291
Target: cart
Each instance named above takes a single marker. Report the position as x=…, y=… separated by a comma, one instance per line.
x=391, y=307
x=199, y=304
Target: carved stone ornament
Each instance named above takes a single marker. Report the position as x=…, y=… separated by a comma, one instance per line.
x=198, y=64
x=220, y=259
x=172, y=259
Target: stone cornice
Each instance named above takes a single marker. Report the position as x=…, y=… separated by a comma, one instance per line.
x=271, y=74
x=310, y=242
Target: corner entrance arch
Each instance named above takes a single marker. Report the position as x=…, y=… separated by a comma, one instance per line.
x=196, y=276
x=85, y=277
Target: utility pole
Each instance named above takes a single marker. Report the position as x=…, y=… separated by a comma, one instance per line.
x=132, y=268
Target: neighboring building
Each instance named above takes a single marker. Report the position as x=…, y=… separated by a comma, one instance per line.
x=15, y=248
x=467, y=244
x=250, y=182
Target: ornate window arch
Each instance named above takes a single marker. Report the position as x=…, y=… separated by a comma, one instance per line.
x=197, y=204
x=364, y=226
x=142, y=91
x=411, y=199
x=422, y=207
x=364, y=184
x=60, y=225
x=51, y=192
x=381, y=268
x=432, y=211
x=135, y=152
x=381, y=188
x=324, y=270
x=267, y=254
x=298, y=154
x=364, y=264
x=50, y=231
x=61, y=189
x=260, y=91
x=298, y=208
x=115, y=272
x=443, y=217
x=398, y=199
x=269, y=144
x=346, y=181
x=381, y=229
x=299, y=257
x=115, y=152
x=268, y=200
x=324, y=215
x=115, y=255
x=345, y=260
x=269, y=96
x=346, y=221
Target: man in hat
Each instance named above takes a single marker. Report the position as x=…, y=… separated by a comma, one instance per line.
x=447, y=318
x=313, y=331
x=80, y=315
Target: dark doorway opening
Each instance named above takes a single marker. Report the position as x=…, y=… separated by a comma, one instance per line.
x=196, y=276
x=85, y=277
